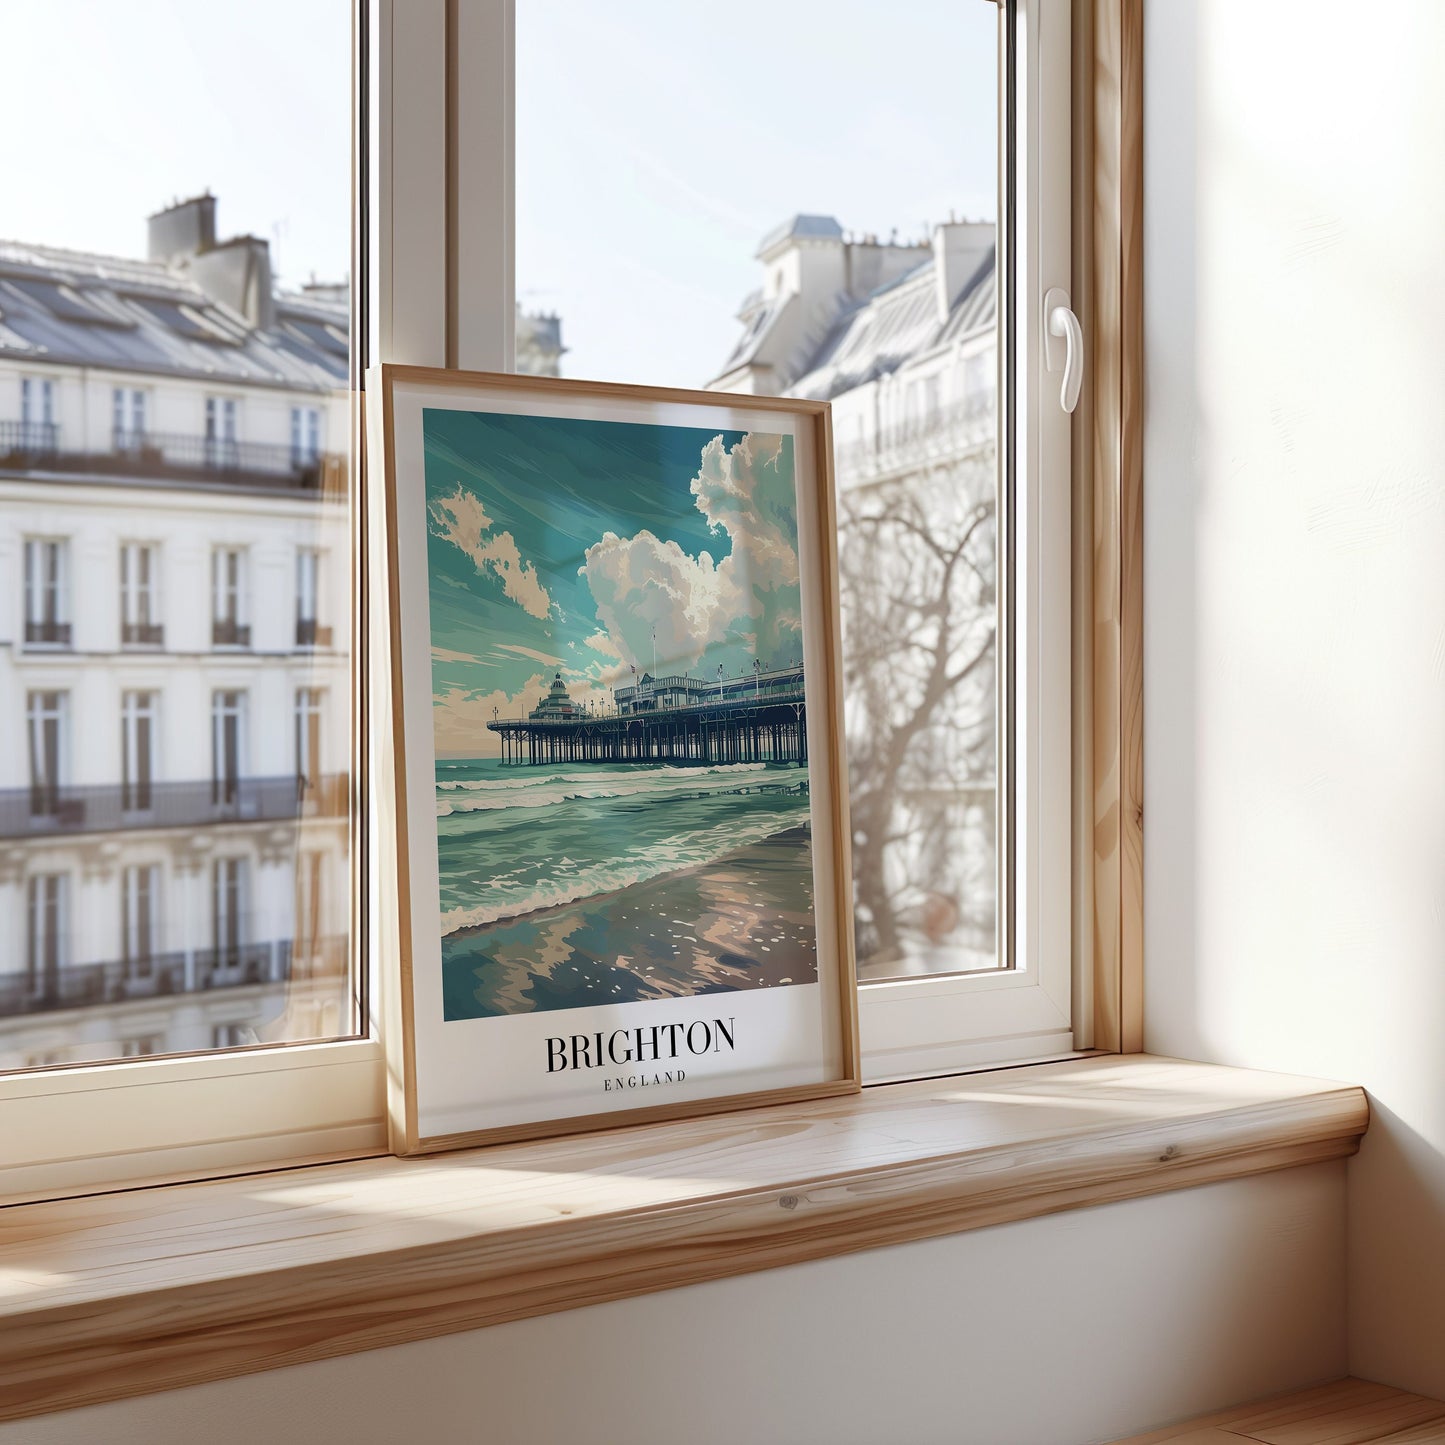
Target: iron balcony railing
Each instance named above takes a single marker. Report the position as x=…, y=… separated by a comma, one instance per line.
x=310, y=633
x=171, y=974
x=142, y=634
x=176, y=456
x=227, y=632
x=47, y=634
x=116, y=807
x=933, y=435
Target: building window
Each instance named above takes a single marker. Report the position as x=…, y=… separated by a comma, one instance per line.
x=221, y=449
x=47, y=583
x=140, y=621
x=305, y=435
x=228, y=914
x=232, y=1036
x=229, y=627
x=142, y=1047
x=140, y=893
x=309, y=633
x=138, y=751
x=47, y=901
x=38, y=432
x=308, y=740
x=47, y=717
x=128, y=419
x=306, y=942
x=228, y=739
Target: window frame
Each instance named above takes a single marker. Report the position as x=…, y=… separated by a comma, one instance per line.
x=434, y=96
x=940, y=1023
x=1029, y=1008
x=75, y=1129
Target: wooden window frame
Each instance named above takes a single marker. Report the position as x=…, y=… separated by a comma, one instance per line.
x=1108, y=551
x=424, y=202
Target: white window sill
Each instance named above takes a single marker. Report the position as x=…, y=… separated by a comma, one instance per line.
x=122, y=1294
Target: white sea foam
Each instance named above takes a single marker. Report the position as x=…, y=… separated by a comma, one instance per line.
x=706, y=845
x=657, y=784
x=525, y=778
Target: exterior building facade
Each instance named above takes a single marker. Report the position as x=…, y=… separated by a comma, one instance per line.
x=902, y=340
x=538, y=343
x=175, y=583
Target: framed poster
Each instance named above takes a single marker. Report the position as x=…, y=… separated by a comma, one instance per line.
x=621, y=843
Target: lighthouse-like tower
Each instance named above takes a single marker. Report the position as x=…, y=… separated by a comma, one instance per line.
x=557, y=706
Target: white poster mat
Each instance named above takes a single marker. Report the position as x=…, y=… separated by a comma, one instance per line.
x=489, y=1073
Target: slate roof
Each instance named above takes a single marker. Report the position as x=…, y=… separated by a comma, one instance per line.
x=141, y=316
x=898, y=321
x=820, y=228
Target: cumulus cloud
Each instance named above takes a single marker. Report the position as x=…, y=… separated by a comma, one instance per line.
x=462, y=520
x=448, y=654
x=603, y=643
x=750, y=599
x=521, y=651
x=640, y=583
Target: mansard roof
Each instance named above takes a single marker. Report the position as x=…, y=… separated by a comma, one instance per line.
x=898, y=321
x=123, y=314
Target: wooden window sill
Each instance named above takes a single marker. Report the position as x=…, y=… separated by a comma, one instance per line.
x=121, y=1294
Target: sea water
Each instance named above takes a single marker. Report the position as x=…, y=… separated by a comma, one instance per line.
x=577, y=884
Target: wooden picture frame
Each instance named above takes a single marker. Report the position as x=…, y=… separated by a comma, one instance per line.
x=674, y=841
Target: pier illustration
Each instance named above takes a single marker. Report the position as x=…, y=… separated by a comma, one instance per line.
x=759, y=717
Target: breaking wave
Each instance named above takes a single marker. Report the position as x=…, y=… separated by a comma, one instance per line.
x=636, y=865
x=656, y=784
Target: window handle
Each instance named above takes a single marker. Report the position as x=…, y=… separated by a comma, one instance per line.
x=1061, y=324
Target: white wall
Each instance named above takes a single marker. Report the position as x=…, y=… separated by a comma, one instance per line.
x=1295, y=590
x=1078, y=1328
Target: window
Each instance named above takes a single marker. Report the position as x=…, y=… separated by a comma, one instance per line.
x=46, y=715
x=308, y=740
x=305, y=435
x=140, y=620
x=231, y=1036
x=140, y=899
x=167, y=536
x=228, y=920
x=221, y=449
x=47, y=579
x=128, y=418
x=137, y=751
x=308, y=943
x=953, y=497
x=229, y=627
x=228, y=745
x=37, y=414
x=309, y=633
x=976, y=966
x=47, y=920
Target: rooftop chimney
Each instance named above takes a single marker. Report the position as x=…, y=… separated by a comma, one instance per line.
x=238, y=274
x=182, y=230
x=959, y=249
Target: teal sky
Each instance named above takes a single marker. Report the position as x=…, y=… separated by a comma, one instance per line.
x=558, y=545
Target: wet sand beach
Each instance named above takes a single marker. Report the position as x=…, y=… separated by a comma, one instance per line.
x=744, y=920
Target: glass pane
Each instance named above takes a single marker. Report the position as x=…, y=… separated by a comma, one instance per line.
x=175, y=687
x=814, y=217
